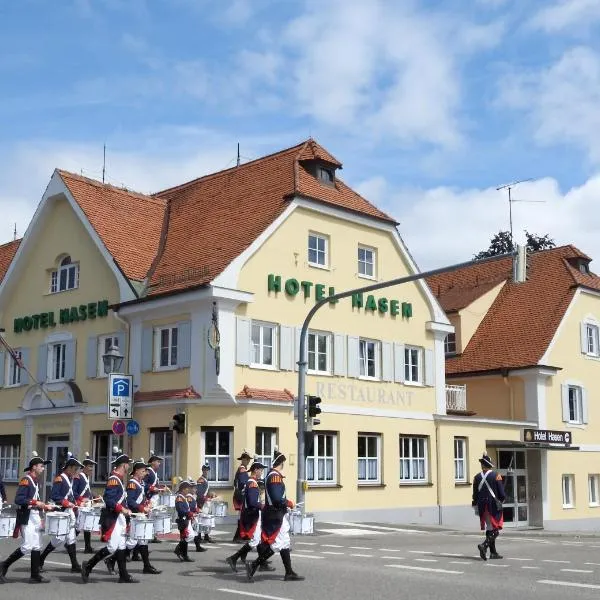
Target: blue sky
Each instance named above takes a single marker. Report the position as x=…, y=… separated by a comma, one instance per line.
x=429, y=105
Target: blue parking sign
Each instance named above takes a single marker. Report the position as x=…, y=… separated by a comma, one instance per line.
x=120, y=387
x=120, y=396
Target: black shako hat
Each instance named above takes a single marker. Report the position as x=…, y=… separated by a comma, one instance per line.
x=36, y=460
x=486, y=461
x=121, y=459
x=206, y=467
x=244, y=454
x=72, y=461
x=154, y=457
x=278, y=458
x=185, y=485
x=140, y=463
x=87, y=461
x=257, y=465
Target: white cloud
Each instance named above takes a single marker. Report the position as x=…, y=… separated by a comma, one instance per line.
x=566, y=13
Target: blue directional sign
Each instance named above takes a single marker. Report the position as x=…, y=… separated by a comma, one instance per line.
x=120, y=396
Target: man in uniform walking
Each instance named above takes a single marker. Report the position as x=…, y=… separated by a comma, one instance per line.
x=488, y=496
x=239, y=481
x=83, y=495
x=152, y=484
x=184, y=518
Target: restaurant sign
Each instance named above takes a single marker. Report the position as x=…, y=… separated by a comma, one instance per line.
x=72, y=314
x=546, y=436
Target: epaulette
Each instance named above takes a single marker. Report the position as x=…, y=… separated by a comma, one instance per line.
x=131, y=486
x=498, y=477
x=276, y=479
x=24, y=481
x=112, y=482
x=58, y=479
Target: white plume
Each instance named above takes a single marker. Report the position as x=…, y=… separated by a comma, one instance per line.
x=34, y=454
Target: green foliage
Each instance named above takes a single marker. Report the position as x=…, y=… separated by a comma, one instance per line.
x=501, y=243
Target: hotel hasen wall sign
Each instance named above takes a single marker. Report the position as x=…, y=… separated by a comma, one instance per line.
x=292, y=287
x=72, y=314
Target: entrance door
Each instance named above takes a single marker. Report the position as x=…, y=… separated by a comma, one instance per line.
x=57, y=447
x=512, y=465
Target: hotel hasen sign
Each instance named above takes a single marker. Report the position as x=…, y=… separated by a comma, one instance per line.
x=72, y=314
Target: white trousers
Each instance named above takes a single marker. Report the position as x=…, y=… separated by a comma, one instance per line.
x=71, y=536
x=189, y=534
x=255, y=541
x=130, y=544
x=282, y=541
x=31, y=534
x=117, y=537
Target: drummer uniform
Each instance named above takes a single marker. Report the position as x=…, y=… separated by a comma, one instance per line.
x=239, y=481
x=192, y=501
x=151, y=483
x=184, y=516
x=83, y=493
x=202, y=489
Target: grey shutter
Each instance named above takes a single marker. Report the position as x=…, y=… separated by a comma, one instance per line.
x=353, y=357
x=429, y=368
x=339, y=354
x=42, y=363
x=242, y=339
x=399, y=363
x=26, y=360
x=387, y=361
x=564, y=388
x=2, y=367
x=122, y=342
x=286, y=348
x=147, y=339
x=91, y=368
x=584, y=347
x=70, y=359
x=184, y=344
x=584, y=406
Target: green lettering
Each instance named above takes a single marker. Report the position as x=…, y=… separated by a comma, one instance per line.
x=36, y=321
x=274, y=283
x=382, y=305
x=407, y=309
x=51, y=321
x=319, y=291
x=306, y=285
x=74, y=314
x=82, y=312
x=91, y=310
x=332, y=293
x=18, y=325
x=44, y=320
x=371, y=303
x=357, y=300
x=394, y=308
x=65, y=316
x=103, y=308
x=292, y=287
x=27, y=323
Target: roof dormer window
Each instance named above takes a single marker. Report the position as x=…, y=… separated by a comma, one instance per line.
x=65, y=277
x=325, y=175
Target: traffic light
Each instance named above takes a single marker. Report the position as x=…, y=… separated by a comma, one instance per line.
x=313, y=407
x=178, y=423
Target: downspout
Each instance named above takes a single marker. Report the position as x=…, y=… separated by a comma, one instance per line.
x=438, y=475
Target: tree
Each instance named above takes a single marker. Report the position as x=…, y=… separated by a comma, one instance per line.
x=502, y=243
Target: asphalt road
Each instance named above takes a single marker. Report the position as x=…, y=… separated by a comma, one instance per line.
x=343, y=561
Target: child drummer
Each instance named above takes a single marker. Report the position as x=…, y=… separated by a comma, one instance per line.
x=184, y=517
x=204, y=495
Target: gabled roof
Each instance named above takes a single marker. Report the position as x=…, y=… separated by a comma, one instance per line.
x=310, y=150
x=7, y=253
x=523, y=319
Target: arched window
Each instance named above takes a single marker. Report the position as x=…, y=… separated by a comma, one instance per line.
x=65, y=277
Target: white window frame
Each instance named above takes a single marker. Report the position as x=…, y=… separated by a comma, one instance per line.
x=158, y=443
x=324, y=252
x=414, y=466
x=450, y=344
x=56, y=276
x=215, y=459
x=364, y=264
x=171, y=364
x=461, y=461
x=60, y=350
x=261, y=435
x=594, y=489
x=568, y=491
x=409, y=353
x=363, y=360
x=322, y=462
x=12, y=376
x=592, y=337
x=368, y=459
x=113, y=440
x=328, y=350
x=575, y=405
x=103, y=349
x=10, y=455
x=261, y=345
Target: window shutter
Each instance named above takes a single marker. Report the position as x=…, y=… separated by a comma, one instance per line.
x=565, y=402
x=184, y=344
x=26, y=360
x=2, y=367
x=353, y=357
x=399, y=363
x=583, y=327
x=286, y=348
x=242, y=349
x=147, y=339
x=387, y=361
x=91, y=369
x=339, y=354
x=584, y=406
x=122, y=342
x=70, y=366
x=429, y=368
x=42, y=363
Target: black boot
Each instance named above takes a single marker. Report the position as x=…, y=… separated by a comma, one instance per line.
x=236, y=535
x=181, y=551
x=484, y=546
x=124, y=576
x=264, y=553
x=111, y=563
x=87, y=538
x=135, y=555
x=44, y=555
x=127, y=554
x=155, y=541
x=290, y=575
x=9, y=560
x=148, y=568
x=240, y=554
x=197, y=540
x=87, y=566
x=72, y=552
x=208, y=539
x=36, y=577
x=493, y=554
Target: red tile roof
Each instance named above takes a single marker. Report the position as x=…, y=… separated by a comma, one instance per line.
x=176, y=394
x=7, y=253
x=520, y=324
x=262, y=394
x=312, y=151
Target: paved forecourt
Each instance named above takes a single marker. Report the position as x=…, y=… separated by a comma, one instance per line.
x=346, y=561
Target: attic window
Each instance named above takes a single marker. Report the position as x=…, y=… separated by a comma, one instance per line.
x=584, y=267
x=325, y=175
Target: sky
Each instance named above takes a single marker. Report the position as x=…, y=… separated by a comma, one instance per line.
x=430, y=105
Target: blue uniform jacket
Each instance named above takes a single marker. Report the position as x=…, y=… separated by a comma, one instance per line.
x=251, y=509
x=276, y=505
x=184, y=513
x=134, y=489
x=27, y=496
x=192, y=503
x=150, y=482
x=113, y=494
x=62, y=492
x=201, y=490
x=81, y=489
x=239, y=482
x=482, y=497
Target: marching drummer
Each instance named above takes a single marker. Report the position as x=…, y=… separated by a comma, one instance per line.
x=152, y=483
x=113, y=523
x=275, y=534
x=192, y=499
x=29, y=521
x=63, y=497
x=184, y=517
x=83, y=495
x=239, y=481
x=204, y=494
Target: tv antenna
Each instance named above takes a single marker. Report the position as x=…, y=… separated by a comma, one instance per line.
x=103, y=163
x=238, y=155
x=509, y=187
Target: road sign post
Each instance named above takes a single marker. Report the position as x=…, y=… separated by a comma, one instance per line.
x=120, y=396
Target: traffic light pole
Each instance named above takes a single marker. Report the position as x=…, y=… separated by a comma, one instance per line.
x=303, y=363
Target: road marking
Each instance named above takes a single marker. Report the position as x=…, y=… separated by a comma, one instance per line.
x=363, y=526
x=497, y=566
x=353, y=532
x=393, y=557
x=306, y=543
x=241, y=593
x=458, y=562
x=450, y=554
x=363, y=555
x=528, y=567
x=514, y=558
x=428, y=569
x=388, y=550
x=569, y=584
x=359, y=548
x=420, y=552
x=572, y=543
x=565, y=562
x=595, y=564
x=577, y=570
x=296, y=555
x=53, y=562
x=305, y=550
x=425, y=560
x=331, y=546
x=336, y=553
x=229, y=544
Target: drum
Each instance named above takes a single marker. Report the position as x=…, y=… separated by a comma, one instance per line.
x=218, y=509
x=162, y=523
x=166, y=500
x=57, y=524
x=205, y=523
x=7, y=525
x=141, y=528
x=88, y=519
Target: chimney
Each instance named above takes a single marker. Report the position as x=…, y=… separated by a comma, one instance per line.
x=520, y=265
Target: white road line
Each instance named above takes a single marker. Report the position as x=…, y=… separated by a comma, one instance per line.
x=306, y=543
x=229, y=544
x=569, y=584
x=242, y=593
x=296, y=555
x=458, y=562
x=388, y=550
x=450, y=554
x=306, y=550
x=572, y=543
x=565, y=562
x=359, y=548
x=393, y=557
x=425, y=559
x=428, y=569
x=53, y=562
x=336, y=553
x=514, y=558
x=528, y=567
x=497, y=566
x=376, y=527
x=595, y=564
x=577, y=570
x=420, y=552
x=363, y=555
x=331, y=546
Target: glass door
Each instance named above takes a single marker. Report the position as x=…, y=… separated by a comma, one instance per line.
x=57, y=448
x=512, y=466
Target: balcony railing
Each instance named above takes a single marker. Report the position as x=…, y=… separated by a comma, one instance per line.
x=456, y=397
